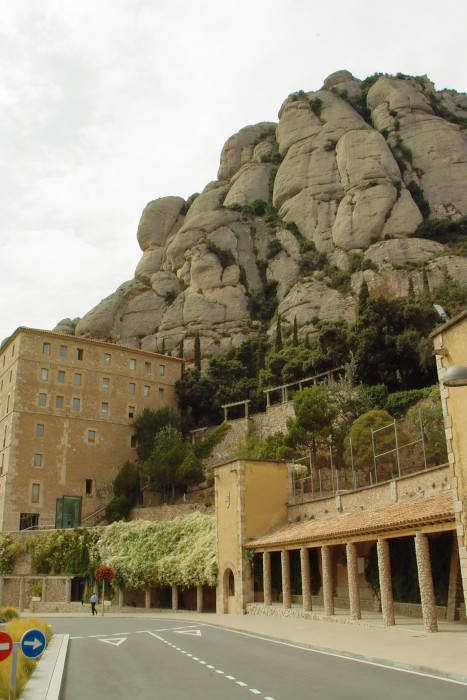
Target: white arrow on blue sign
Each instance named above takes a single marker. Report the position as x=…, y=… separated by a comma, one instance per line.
x=32, y=643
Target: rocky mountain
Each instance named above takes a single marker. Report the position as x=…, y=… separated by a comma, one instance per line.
x=343, y=188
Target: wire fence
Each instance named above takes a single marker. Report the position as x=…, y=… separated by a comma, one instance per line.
x=384, y=465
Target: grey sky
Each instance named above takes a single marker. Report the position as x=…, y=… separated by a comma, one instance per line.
x=107, y=104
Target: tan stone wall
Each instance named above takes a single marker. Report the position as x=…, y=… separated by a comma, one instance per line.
x=169, y=512
x=451, y=349
x=426, y=483
x=68, y=458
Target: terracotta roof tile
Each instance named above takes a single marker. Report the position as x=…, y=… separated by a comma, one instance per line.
x=404, y=515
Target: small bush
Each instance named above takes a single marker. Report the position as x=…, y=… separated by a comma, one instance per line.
x=9, y=612
x=274, y=248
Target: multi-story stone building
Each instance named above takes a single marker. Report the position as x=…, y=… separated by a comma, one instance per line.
x=67, y=406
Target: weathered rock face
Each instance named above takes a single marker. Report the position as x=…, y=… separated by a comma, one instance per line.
x=351, y=168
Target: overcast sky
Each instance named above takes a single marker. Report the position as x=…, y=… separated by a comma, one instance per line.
x=108, y=104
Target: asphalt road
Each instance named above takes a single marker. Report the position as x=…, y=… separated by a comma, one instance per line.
x=173, y=659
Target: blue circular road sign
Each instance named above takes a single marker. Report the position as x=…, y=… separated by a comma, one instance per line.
x=32, y=643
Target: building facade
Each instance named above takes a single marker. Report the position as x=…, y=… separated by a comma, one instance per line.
x=67, y=406
x=450, y=342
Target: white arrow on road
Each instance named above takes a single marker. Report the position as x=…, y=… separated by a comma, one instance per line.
x=34, y=644
x=114, y=642
x=194, y=633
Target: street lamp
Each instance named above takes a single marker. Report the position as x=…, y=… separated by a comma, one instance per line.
x=455, y=376
x=102, y=543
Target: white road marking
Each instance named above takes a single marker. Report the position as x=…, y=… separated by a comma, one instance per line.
x=194, y=633
x=241, y=683
x=268, y=697
x=97, y=635
x=231, y=678
x=203, y=662
x=254, y=691
x=209, y=666
x=76, y=637
x=219, y=671
x=114, y=642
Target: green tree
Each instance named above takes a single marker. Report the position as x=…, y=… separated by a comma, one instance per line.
x=313, y=422
x=126, y=489
x=172, y=465
x=278, y=343
x=197, y=353
x=148, y=423
x=363, y=297
x=362, y=446
x=295, y=332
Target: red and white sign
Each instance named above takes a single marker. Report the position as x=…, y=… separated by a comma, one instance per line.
x=6, y=645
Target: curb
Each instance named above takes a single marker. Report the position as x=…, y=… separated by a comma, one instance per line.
x=46, y=681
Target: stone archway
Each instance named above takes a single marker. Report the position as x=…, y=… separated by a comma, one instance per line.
x=229, y=600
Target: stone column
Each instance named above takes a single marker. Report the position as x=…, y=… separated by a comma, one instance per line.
x=147, y=599
x=199, y=599
x=352, y=576
x=306, y=578
x=68, y=590
x=174, y=598
x=267, y=578
x=328, y=593
x=285, y=566
x=425, y=581
x=385, y=583
x=454, y=583
x=44, y=589
x=121, y=598
x=21, y=594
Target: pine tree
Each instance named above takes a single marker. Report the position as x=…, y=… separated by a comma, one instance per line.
x=411, y=290
x=426, y=284
x=363, y=298
x=278, y=344
x=295, y=333
x=197, y=353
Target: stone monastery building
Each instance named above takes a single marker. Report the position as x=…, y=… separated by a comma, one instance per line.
x=67, y=406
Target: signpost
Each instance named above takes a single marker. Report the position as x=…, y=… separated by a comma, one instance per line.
x=6, y=645
x=32, y=644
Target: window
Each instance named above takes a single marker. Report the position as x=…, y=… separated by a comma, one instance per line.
x=89, y=487
x=37, y=460
x=28, y=521
x=79, y=353
x=161, y=394
x=104, y=407
x=35, y=493
x=161, y=370
x=132, y=364
x=91, y=436
x=134, y=441
x=77, y=380
x=146, y=390
x=131, y=388
x=131, y=411
x=44, y=374
x=61, y=377
x=106, y=358
x=4, y=436
x=105, y=383
x=62, y=351
x=13, y=351
x=75, y=404
x=39, y=430
x=59, y=402
x=67, y=512
x=147, y=367
x=8, y=404
x=46, y=348
x=41, y=400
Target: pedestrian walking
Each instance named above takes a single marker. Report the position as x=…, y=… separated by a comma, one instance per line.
x=94, y=600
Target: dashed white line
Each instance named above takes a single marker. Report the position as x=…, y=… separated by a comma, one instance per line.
x=209, y=666
x=254, y=691
x=231, y=678
x=219, y=671
x=241, y=683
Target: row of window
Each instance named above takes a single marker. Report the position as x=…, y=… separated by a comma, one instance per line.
x=12, y=354
x=76, y=402
x=36, y=493
x=11, y=380
x=79, y=355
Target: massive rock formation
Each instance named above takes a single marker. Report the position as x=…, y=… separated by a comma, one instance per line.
x=351, y=170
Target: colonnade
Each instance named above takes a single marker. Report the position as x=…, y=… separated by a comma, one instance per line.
x=425, y=579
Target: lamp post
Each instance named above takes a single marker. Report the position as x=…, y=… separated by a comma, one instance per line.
x=102, y=543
